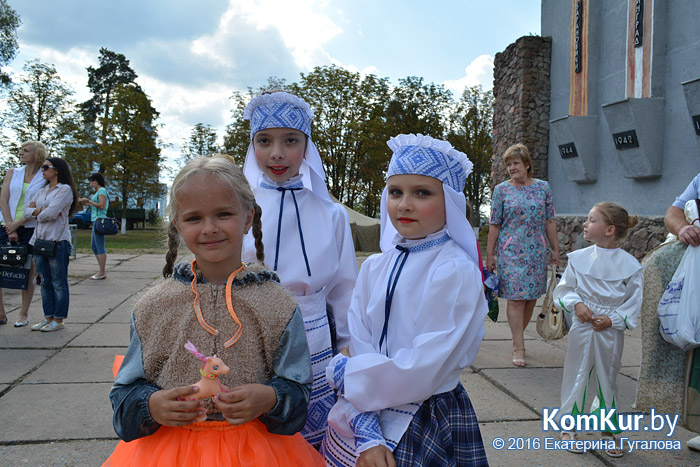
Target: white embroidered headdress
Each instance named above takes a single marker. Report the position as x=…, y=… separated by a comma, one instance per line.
x=423, y=155
x=284, y=110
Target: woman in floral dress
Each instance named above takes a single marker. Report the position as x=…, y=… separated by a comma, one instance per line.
x=522, y=214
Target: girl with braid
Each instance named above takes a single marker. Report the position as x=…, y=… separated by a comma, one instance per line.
x=227, y=308
x=307, y=236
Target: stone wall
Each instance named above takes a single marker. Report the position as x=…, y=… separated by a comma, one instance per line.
x=643, y=238
x=521, y=103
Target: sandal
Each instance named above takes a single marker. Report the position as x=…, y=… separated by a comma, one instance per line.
x=3, y=321
x=21, y=324
x=611, y=452
x=98, y=278
x=572, y=437
x=519, y=362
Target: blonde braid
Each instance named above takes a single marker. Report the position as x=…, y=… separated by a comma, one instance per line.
x=173, y=245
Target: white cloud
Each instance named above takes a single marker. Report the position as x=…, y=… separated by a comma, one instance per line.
x=479, y=71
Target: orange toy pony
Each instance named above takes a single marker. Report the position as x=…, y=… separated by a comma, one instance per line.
x=209, y=385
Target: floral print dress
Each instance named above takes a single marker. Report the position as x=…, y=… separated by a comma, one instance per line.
x=521, y=248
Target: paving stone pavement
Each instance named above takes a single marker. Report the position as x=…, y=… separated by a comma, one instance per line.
x=54, y=409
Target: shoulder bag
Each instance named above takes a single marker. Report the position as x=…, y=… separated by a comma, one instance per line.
x=45, y=247
x=107, y=226
x=551, y=324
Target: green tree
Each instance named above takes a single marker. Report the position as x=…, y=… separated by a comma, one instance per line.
x=202, y=142
x=133, y=157
x=9, y=22
x=114, y=69
x=416, y=107
x=39, y=108
x=471, y=125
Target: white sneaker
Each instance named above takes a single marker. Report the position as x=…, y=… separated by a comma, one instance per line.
x=40, y=325
x=52, y=326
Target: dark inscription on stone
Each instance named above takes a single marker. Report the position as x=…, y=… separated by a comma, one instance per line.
x=639, y=23
x=568, y=150
x=625, y=140
x=696, y=124
x=577, y=36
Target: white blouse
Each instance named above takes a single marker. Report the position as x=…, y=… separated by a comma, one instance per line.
x=608, y=281
x=434, y=330
x=328, y=243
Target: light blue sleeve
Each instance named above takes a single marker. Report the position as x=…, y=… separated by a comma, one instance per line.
x=692, y=191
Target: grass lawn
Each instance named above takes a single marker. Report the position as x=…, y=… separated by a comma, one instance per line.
x=135, y=241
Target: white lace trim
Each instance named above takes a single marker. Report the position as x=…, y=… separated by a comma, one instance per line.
x=435, y=144
x=274, y=98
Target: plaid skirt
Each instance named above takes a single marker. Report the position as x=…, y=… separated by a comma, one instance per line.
x=444, y=433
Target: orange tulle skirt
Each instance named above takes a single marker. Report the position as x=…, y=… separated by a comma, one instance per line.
x=216, y=443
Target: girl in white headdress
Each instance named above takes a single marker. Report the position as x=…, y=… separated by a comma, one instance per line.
x=416, y=321
x=306, y=234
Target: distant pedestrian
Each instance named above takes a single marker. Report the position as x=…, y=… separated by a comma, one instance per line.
x=99, y=203
x=602, y=285
x=235, y=310
x=51, y=207
x=522, y=214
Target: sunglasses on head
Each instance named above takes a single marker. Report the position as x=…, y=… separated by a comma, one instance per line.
x=46, y=167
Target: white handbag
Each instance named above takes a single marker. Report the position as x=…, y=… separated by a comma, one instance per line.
x=551, y=324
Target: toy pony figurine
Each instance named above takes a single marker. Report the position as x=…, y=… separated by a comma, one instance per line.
x=209, y=385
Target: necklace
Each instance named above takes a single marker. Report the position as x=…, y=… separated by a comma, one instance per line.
x=229, y=306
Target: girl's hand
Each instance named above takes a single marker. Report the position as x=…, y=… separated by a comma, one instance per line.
x=242, y=404
x=170, y=407
x=32, y=204
x=583, y=313
x=13, y=236
x=345, y=351
x=601, y=323
x=83, y=201
x=378, y=456
x=490, y=264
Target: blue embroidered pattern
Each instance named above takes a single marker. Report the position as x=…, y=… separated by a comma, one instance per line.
x=418, y=160
x=366, y=429
x=339, y=375
x=279, y=115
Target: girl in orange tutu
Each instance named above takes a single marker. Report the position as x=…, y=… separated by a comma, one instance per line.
x=237, y=311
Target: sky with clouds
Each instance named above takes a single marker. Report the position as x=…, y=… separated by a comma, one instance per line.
x=191, y=55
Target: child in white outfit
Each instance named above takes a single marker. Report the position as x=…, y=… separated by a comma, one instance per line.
x=306, y=235
x=416, y=321
x=602, y=285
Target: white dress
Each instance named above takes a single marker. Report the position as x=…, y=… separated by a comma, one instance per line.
x=434, y=331
x=327, y=282
x=609, y=282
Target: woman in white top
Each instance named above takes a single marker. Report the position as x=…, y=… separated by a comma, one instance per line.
x=19, y=186
x=51, y=207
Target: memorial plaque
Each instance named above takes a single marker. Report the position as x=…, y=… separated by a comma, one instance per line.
x=696, y=124
x=568, y=150
x=577, y=36
x=625, y=140
x=639, y=23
